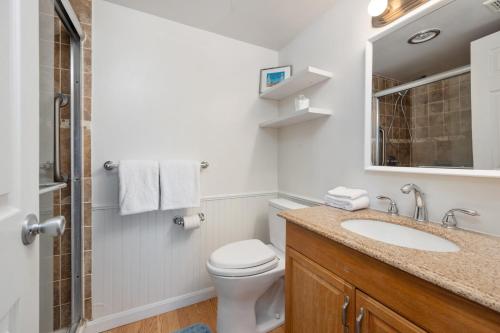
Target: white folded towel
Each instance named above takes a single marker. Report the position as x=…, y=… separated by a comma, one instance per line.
x=347, y=193
x=348, y=204
x=139, y=186
x=180, y=184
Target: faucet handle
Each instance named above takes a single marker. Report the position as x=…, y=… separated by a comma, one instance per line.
x=449, y=219
x=393, y=207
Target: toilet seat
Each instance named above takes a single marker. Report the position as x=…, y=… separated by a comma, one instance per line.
x=240, y=272
x=243, y=258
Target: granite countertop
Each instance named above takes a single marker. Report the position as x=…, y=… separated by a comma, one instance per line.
x=473, y=272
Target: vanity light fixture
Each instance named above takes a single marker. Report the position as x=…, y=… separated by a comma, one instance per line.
x=424, y=36
x=377, y=7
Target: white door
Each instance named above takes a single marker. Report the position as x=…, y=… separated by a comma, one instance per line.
x=485, y=99
x=18, y=163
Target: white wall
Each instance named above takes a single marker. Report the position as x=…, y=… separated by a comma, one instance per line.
x=162, y=90
x=165, y=90
x=319, y=155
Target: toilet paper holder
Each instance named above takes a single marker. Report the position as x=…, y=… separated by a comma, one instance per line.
x=179, y=220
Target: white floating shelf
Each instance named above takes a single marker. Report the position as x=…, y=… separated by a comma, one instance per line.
x=300, y=81
x=296, y=117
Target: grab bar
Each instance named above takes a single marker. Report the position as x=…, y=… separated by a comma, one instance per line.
x=59, y=101
x=382, y=136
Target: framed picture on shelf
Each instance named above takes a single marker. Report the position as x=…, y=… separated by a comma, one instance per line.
x=270, y=77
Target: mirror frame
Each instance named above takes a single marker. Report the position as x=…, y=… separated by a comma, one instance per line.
x=410, y=17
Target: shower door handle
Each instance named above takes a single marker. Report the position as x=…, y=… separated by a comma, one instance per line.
x=31, y=228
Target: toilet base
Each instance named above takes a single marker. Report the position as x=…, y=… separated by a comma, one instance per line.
x=260, y=315
x=270, y=307
x=251, y=304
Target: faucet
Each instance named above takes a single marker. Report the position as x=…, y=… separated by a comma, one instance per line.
x=420, y=214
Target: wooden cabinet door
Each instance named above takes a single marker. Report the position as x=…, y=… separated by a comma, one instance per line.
x=373, y=317
x=316, y=300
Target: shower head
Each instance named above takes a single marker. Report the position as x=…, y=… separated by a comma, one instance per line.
x=403, y=93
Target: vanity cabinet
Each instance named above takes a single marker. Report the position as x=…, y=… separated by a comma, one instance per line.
x=322, y=274
x=317, y=300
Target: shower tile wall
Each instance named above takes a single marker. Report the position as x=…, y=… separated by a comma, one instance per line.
x=441, y=123
x=439, y=115
x=398, y=145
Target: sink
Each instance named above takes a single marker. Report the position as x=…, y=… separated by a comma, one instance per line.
x=399, y=235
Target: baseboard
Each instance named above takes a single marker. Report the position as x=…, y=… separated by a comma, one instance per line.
x=148, y=310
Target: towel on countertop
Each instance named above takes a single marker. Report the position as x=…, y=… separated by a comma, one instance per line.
x=180, y=184
x=139, y=186
x=348, y=204
x=347, y=193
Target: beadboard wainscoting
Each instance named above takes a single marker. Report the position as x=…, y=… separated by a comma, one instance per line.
x=144, y=264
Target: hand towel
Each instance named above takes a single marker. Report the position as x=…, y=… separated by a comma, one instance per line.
x=348, y=204
x=139, y=186
x=179, y=184
x=347, y=193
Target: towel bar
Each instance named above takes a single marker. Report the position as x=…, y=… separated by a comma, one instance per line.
x=110, y=165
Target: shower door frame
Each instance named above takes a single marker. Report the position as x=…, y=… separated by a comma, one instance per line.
x=70, y=21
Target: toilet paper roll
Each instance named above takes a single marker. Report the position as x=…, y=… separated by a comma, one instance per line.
x=192, y=222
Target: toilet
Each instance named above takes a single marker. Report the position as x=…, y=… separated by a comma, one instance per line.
x=249, y=278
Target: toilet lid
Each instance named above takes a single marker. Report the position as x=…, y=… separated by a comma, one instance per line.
x=242, y=254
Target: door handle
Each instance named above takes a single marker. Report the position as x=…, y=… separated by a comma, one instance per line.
x=359, y=319
x=345, y=306
x=31, y=228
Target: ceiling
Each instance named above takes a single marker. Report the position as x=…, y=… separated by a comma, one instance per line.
x=460, y=22
x=268, y=23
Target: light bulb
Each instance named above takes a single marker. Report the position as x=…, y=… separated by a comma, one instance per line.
x=377, y=7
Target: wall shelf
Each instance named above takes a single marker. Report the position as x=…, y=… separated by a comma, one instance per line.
x=295, y=83
x=296, y=117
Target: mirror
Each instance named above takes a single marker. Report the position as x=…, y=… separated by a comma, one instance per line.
x=435, y=90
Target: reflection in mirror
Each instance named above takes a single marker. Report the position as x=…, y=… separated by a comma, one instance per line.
x=436, y=90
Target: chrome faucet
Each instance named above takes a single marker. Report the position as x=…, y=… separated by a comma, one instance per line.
x=420, y=214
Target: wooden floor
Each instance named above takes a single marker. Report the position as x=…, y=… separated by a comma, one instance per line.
x=204, y=312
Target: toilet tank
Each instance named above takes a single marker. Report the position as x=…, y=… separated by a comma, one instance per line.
x=277, y=232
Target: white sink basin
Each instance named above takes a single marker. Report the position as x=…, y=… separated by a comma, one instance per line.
x=399, y=235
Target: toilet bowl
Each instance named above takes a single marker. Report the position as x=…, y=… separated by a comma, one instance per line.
x=249, y=278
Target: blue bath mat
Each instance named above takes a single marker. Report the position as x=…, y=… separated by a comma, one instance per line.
x=196, y=328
